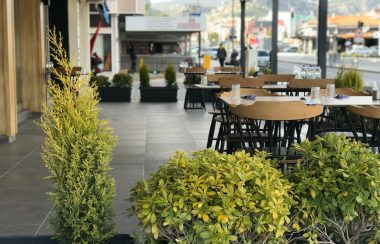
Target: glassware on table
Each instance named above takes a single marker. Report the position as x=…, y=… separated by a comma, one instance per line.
x=303, y=73
x=236, y=91
x=318, y=73
x=315, y=94
x=330, y=90
x=204, y=80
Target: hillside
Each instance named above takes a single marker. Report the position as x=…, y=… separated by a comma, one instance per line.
x=302, y=7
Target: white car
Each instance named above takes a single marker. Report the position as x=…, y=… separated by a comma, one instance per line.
x=263, y=58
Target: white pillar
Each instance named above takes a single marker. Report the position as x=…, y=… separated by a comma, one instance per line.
x=116, y=55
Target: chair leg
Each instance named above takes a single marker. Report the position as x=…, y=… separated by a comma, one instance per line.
x=211, y=132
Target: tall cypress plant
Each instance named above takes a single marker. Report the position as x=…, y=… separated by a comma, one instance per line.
x=77, y=151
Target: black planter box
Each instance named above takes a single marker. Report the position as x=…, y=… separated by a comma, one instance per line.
x=158, y=94
x=115, y=94
x=117, y=239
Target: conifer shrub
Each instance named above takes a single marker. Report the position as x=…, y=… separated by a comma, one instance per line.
x=144, y=75
x=170, y=76
x=77, y=152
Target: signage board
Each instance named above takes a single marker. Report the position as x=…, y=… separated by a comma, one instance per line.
x=164, y=24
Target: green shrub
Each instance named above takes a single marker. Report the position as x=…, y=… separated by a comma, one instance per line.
x=266, y=70
x=214, y=198
x=349, y=78
x=77, y=151
x=122, y=80
x=170, y=75
x=100, y=81
x=144, y=76
x=252, y=72
x=338, y=186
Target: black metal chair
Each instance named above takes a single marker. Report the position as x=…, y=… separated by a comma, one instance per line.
x=275, y=126
x=369, y=132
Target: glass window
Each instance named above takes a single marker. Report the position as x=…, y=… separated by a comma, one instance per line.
x=103, y=48
x=94, y=20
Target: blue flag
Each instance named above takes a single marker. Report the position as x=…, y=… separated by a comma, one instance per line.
x=105, y=12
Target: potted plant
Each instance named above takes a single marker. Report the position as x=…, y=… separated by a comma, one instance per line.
x=119, y=92
x=214, y=198
x=158, y=94
x=338, y=185
x=77, y=152
x=349, y=78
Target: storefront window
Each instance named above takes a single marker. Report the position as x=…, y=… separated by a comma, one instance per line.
x=103, y=48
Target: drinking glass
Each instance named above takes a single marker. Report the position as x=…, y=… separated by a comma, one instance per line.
x=330, y=90
x=236, y=91
x=315, y=94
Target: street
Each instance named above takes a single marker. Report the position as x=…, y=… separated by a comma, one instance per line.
x=369, y=67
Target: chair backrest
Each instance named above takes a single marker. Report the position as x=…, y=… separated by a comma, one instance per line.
x=277, y=111
x=244, y=83
x=277, y=78
x=368, y=112
x=215, y=78
x=345, y=91
x=196, y=70
x=235, y=70
x=250, y=91
x=309, y=83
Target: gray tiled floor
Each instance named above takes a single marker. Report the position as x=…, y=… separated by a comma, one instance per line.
x=148, y=134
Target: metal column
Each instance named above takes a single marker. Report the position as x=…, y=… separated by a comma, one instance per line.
x=274, y=60
x=322, y=35
x=242, y=37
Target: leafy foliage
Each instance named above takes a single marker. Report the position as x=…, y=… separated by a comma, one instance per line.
x=266, y=70
x=122, y=80
x=77, y=152
x=338, y=186
x=252, y=71
x=349, y=78
x=170, y=75
x=144, y=75
x=100, y=81
x=214, y=198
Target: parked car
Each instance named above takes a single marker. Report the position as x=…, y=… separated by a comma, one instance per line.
x=359, y=51
x=263, y=58
x=292, y=49
x=374, y=50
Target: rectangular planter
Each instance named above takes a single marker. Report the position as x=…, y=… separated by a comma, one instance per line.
x=115, y=94
x=158, y=94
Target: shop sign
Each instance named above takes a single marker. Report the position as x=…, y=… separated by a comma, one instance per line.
x=164, y=24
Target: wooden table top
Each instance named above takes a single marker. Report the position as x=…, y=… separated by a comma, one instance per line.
x=329, y=102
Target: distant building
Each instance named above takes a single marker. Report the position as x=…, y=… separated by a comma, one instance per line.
x=358, y=29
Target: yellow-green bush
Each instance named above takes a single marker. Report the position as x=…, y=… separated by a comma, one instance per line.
x=338, y=185
x=214, y=198
x=77, y=151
